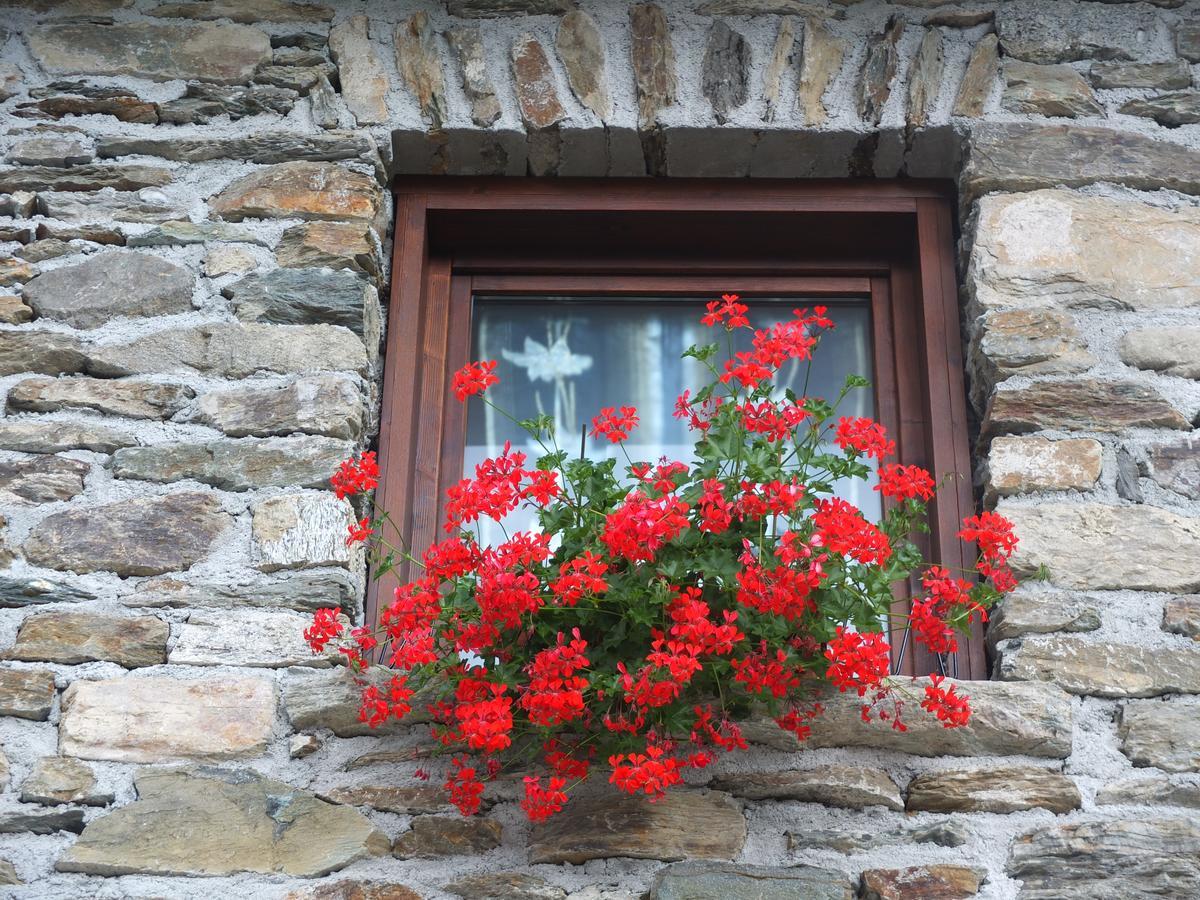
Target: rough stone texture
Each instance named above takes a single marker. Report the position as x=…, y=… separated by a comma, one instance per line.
x=43, y=352
x=305, y=592
x=1022, y=157
x=237, y=465
x=332, y=245
x=1102, y=668
x=364, y=82
x=1048, y=91
x=725, y=70
x=301, y=190
x=694, y=880
x=934, y=882
x=652, y=56
x=70, y=638
x=13, y=310
x=467, y=44
x=41, y=480
x=1172, y=351
x=925, y=77
x=31, y=820
x=1026, y=342
x=879, y=68
x=1158, y=790
x=836, y=785
x=201, y=103
x=58, y=779
x=81, y=207
x=1004, y=789
x=488, y=9
x=121, y=105
x=1181, y=615
x=354, y=890
x=534, y=83
x=109, y=285
x=581, y=49
x=1163, y=735
x=1045, y=612
x=225, y=54
x=1187, y=40
x=82, y=178
x=50, y=150
x=1127, y=857
x=219, y=822
x=142, y=536
x=1007, y=719
x=415, y=800
x=26, y=693
x=1098, y=547
x=684, y=825
x=780, y=62
x=135, y=399
x=330, y=699
x=1023, y=465
x=1056, y=248
x=1083, y=404
x=308, y=297
x=1031, y=31
x=420, y=66
x=232, y=350
x=254, y=638
x=265, y=147
x=1176, y=467
x=821, y=58
x=327, y=405
x=433, y=836
x=504, y=886
x=294, y=531
x=160, y=719
x=18, y=593
x=1170, y=75
x=1170, y=110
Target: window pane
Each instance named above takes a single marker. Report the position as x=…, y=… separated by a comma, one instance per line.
x=568, y=357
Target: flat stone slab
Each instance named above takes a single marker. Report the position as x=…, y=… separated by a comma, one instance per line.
x=295, y=531
x=221, y=822
x=1163, y=735
x=111, y=285
x=58, y=779
x=852, y=787
x=252, y=638
x=70, y=638
x=26, y=693
x=1003, y=789
x=727, y=881
x=1100, y=668
x=303, y=591
x=301, y=190
x=328, y=405
x=161, y=719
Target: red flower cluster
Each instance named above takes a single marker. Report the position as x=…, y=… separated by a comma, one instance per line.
x=649, y=605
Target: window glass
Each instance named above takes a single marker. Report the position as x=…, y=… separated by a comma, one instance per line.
x=568, y=357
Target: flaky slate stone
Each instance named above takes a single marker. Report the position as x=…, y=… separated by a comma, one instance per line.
x=851, y=787
x=878, y=70
x=725, y=70
x=201, y=103
x=322, y=404
x=240, y=465
x=534, y=82
x=102, y=205
x=420, y=66
x=15, y=271
x=652, y=56
x=182, y=233
x=294, y=531
x=1176, y=467
x=488, y=9
x=322, y=104
x=259, y=11
x=1025, y=342
x=1102, y=668
x=1024, y=157
x=124, y=106
x=251, y=638
x=1163, y=735
x=18, y=593
x=931, y=882
x=1025, y=612
x=1092, y=546
x=58, y=150
x=301, y=746
x=70, y=638
x=1081, y=404
x=1032, y=31
x=308, y=297
x=232, y=350
x=32, y=820
x=1120, y=858
x=1170, y=75
x=315, y=698
x=1173, y=350
x=1007, y=719
x=435, y=836
x=581, y=49
x=467, y=44
x=41, y=352
x=52, y=248
x=1056, y=90
x=134, y=399
x=1181, y=615
x=43, y=479
x=684, y=825
x=696, y=880
x=13, y=310
x=303, y=591
x=331, y=245
x=58, y=779
x=1157, y=790
x=1021, y=465
x=225, y=54
x=141, y=536
x=504, y=886
x=1171, y=110
x=979, y=78
x=354, y=889
x=925, y=77
x=363, y=80
x=995, y=789
x=160, y=719
x=264, y=147
x=409, y=800
x=301, y=190
x=83, y=178
x=820, y=59
x=228, y=261
x=111, y=285
x=1187, y=40
x=781, y=61
x=1062, y=249
x=26, y=693
x=220, y=822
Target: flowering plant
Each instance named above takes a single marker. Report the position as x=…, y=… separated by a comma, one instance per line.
x=657, y=605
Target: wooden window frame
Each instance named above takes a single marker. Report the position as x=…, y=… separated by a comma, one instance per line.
x=889, y=241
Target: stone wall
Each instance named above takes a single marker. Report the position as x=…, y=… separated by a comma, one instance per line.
x=195, y=228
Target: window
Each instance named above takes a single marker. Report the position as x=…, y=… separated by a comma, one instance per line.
x=586, y=291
